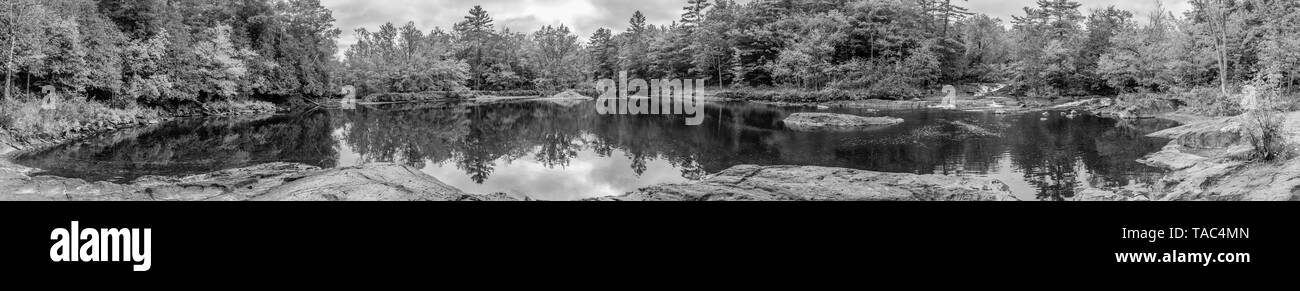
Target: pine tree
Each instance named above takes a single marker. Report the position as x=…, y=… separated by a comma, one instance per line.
x=603, y=52
x=637, y=24
x=694, y=12
x=635, y=48
x=475, y=33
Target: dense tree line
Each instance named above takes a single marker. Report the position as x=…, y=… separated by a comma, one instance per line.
x=899, y=48
x=158, y=51
x=163, y=52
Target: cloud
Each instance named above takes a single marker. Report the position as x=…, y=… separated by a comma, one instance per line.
x=1004, y=9
x=586, y=16
x=582, y=16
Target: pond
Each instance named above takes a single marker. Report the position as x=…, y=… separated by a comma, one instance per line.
x=564, y=151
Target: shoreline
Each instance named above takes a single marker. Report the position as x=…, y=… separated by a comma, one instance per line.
x=267, y=178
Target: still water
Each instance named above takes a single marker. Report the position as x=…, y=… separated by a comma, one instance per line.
x=558, y=151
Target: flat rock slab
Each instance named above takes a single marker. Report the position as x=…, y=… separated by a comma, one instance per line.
x=1208, y=162
x=382, y=182
x=809, y=183
x=818, y=121
x=265, y=182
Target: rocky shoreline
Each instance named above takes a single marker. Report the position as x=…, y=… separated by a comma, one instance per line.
x=1208, y=160
x=392, y=182
x=1204, y=157
x=809, y=183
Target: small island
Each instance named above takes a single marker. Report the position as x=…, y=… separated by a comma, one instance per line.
x=816, y=121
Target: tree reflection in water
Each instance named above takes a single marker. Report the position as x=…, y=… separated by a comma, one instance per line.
x=487, y=143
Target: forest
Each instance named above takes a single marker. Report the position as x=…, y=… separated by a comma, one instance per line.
x=126, y=54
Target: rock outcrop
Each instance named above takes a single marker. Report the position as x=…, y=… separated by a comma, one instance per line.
x=1209, y=161
x=809, y=183
x=274, y=181
x=567, y=98
x=816, y=121
x=382, y=182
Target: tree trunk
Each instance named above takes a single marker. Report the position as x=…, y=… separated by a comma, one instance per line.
x=9, y=62
x=720, y=83
x=1223, y=49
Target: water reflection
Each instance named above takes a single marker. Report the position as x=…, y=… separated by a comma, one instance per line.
x=566, y=151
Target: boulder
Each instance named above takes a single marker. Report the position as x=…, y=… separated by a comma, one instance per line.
x=810, y=183
x=816, y=121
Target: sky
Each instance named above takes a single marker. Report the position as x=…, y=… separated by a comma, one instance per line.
x=585, y=16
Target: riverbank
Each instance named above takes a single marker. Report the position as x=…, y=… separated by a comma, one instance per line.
x=392, y=182
x=266, y=182
x=1211, y=159
x=29, y=124
x=1208, y=158
x=28, y=127
x=257, y=181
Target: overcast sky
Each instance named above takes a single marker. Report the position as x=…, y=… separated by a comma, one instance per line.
x=585, y=16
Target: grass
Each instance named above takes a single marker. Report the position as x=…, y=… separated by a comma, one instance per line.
x=1264, y=131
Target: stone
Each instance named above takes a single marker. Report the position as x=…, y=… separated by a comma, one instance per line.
x=272, y=181
x=811, y=183
x=376, y=182
x=816, y=121
x=1208, y=162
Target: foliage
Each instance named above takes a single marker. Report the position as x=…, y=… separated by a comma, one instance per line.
x=24, y=118
x=788, y=95
x=158, y=52
x=403, y=60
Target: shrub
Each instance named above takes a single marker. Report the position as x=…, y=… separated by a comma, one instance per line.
x=25, y=119
x=1208, y=101
x=1135, y=105
x=1264, y=130
x=1264, y=122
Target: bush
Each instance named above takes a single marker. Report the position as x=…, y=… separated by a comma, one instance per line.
x=25, y=119
x=1135, y=105
x=1208, y=101
x=1264, y=130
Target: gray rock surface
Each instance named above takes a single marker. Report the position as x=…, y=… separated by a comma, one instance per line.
x=379, y=182
x=274, y=181
x=817, y=121
x=809, y=183
x=1208, y=162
